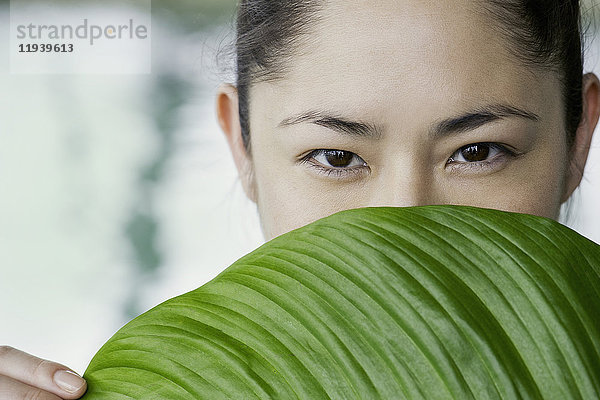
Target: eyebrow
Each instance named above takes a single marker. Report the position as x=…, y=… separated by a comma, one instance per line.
x=336, y=123
x=479, y=117
x=459, y=124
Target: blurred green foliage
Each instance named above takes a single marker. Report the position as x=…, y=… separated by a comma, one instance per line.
x=169, y=93
x=185, y=14
x=190, y=15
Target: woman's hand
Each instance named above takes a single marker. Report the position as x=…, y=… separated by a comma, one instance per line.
x=25, y=377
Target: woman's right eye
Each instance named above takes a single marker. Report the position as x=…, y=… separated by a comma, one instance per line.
x=338, y=163
x=338, y=159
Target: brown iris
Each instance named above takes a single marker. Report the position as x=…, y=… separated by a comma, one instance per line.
x=476, y=152
x=338, y=158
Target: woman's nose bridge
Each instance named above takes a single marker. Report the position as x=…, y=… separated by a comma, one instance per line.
x=403, y=190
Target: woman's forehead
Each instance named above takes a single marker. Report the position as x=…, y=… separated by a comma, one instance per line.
x=406, y=38
x=435, y=57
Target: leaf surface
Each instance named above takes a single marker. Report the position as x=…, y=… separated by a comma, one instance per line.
x=436, y=302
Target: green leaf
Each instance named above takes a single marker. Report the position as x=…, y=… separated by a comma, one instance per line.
x=437, y=302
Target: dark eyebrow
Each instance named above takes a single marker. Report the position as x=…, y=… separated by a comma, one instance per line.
x=460, y=124
x=479, y=117
x=336, y=123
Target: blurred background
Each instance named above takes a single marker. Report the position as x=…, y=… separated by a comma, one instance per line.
x=118, y=191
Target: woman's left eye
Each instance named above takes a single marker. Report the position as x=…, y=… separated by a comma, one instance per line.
x=480, y=154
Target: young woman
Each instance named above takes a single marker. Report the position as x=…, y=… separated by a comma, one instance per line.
x=343, y=104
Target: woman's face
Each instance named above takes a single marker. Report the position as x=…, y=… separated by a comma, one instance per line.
x=405, y=103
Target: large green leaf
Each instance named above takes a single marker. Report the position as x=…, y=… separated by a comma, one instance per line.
x=433, y=302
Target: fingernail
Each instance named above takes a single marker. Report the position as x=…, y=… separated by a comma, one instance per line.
x=69, y=381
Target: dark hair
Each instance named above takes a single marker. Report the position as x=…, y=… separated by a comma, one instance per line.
x=267, y=32
x=546, y=34
x=542, y=33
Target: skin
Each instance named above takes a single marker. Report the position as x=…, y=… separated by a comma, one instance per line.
x=24, y=377
x=422, y=63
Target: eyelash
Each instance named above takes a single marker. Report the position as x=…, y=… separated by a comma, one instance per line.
x=490, y=163
x=339, y=172
x=503, y=152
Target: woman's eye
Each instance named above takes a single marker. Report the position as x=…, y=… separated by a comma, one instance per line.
x=338, y=159
x=474, y=153
x=338, y=163
x=481, y=154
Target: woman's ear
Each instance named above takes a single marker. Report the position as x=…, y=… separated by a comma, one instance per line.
x=229, y=119
x=581, y=146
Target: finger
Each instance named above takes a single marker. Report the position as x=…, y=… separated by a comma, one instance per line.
x=11, y=389
x=46, y=375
